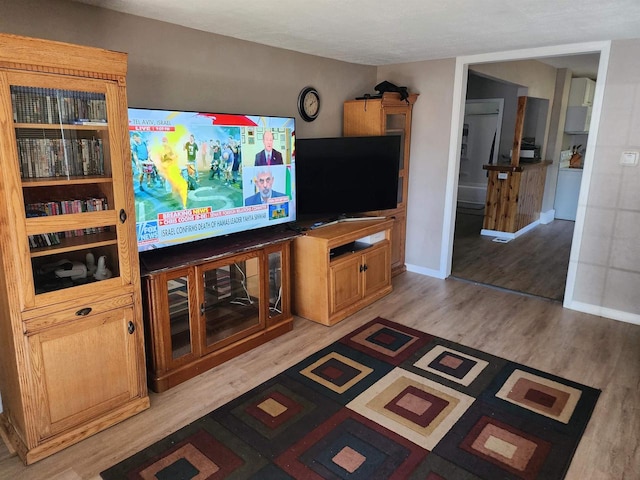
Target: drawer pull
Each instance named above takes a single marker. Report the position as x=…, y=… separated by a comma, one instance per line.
x=123, y=216
x=131, y=327
x=83, y=312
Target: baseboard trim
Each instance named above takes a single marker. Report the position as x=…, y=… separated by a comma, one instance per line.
x=426, y=271
x=596, y=310
x=604, y=312
x=508, y=235
x=547, y=217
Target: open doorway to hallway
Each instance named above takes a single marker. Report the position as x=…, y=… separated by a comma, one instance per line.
x=535, y=262
x=481, y=135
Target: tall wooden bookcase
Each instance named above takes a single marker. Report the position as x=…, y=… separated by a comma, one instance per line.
x=388, y=115
x=71, y=341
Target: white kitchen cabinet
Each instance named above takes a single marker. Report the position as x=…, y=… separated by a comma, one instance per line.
x=582, y=92
x=577, y=120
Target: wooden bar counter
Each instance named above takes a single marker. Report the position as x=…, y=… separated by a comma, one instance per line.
x=514, y=190
x=514, y=196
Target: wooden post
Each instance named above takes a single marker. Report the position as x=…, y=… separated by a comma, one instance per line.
x=517, y=135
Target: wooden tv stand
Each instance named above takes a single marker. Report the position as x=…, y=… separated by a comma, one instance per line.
x=340, y=268
x=207, y=302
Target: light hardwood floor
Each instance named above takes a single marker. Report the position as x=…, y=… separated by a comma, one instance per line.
x=595, y=351
x=535, y=263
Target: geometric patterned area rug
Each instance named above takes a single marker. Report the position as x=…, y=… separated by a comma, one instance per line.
x=385, y=401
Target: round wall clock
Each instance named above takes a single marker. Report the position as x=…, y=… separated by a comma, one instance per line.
x=309, y=104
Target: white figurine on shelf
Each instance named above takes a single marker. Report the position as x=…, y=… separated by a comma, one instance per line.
x=102, y=272
x=72, y=270
x=91, y=264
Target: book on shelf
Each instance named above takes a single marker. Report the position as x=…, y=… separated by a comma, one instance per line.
x=55, y=157
x=63, y=207
x=52, y=106
x=43, y=239
x=83, y=121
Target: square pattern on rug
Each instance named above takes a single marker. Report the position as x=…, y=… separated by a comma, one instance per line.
x=384, y=402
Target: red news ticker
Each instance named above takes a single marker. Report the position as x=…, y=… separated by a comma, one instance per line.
x=184, y=216
x=151, y=128
x=195, y=214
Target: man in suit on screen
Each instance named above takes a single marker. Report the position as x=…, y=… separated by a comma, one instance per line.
x=268, y=156
x=264, y=183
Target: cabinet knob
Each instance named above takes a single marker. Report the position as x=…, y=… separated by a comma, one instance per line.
x=131, y=327
x=365, y=267
x=83, y=312
x=123, y=216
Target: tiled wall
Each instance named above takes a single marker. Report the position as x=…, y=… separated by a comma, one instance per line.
x=608, y=265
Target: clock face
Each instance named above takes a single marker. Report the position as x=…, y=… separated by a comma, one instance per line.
x=309, y=104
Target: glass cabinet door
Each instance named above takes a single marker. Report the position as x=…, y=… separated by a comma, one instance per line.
x=180, y=318
x=67, y=157
x=274, y=260
x=278, y=277
x=395, y=124
x=231, y=300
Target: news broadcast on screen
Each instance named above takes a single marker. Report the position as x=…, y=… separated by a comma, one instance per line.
x=200, y=175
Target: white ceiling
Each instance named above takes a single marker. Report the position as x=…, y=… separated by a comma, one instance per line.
x=375, y=32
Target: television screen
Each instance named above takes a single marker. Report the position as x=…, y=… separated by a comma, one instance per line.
x=199, y=175
x=346, y=175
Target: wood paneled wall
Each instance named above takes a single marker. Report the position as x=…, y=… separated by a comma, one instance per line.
x=514, y=202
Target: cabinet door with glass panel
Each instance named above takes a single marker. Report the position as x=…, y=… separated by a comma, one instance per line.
x=277, y=279
x=172, y=297
x=396, y=122
x=231, y=299
x=71, y=211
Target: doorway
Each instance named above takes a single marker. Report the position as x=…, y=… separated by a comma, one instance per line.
x=481, y=135
x=544, y=246
x=536, y=263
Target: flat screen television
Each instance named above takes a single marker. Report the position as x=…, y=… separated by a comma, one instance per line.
x=347, y=175
x=200, y=175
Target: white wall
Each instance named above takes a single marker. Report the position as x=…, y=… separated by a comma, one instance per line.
x=538, y=77
x=607, y=269
x=174, y=67
x=430, y=131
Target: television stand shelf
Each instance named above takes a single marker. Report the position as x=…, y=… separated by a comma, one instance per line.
x=207, y=302
x=348, y=248
x=326, y=223
x=341, y=268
